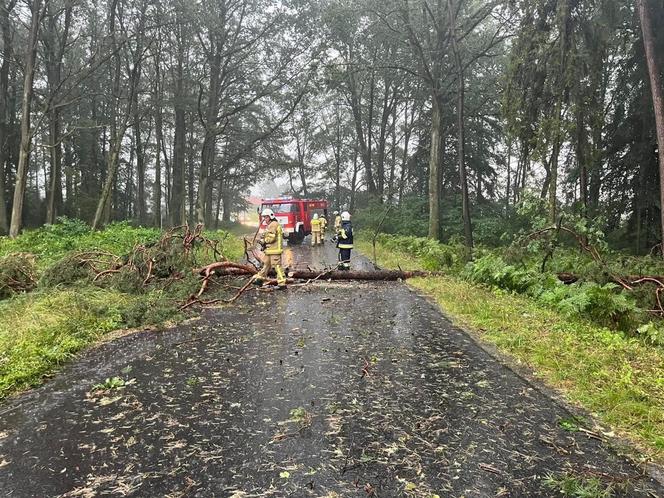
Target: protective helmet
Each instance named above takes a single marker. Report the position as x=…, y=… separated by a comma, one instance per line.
x=336, y=213
x=268, y=212
x=315, y=216
x=345, y=216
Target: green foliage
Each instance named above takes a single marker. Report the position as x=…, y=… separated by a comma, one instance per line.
x=153, y=308
x=65, y=271
x=51, y=242
x=41, y=330
x=492, y=270
x=571, y=485
x=652, y=333
x=110, y=384
x=434, y=255
x=604, y=304
x=68, y=310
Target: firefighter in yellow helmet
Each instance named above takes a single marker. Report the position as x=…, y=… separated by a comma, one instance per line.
x=337, y=221
x=323, y=227
x=272, y=241
x=315, y=230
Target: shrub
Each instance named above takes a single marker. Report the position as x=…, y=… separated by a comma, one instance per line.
x=490, y=269
x=604, y=304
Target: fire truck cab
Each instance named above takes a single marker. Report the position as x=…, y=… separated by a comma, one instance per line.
x=294, y=215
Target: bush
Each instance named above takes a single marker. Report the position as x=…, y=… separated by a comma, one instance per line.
x=490, y=269
x=434, y=255
x=604, y=304
x=51, y=242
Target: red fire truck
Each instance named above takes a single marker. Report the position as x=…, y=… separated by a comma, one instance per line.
x=295, y=215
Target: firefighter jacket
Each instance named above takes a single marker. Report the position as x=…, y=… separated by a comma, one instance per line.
x=337, y=223
x=345, y=235
x=273, y=238
x=315, y=225
x=323, y=223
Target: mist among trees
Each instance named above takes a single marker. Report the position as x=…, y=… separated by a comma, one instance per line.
x=457, y=113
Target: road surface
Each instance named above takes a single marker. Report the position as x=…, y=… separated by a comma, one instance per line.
x=331, y=389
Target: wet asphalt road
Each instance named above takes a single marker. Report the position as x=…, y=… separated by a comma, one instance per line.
x=332, y=389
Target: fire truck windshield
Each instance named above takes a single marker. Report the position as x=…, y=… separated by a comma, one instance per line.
x=281, y=208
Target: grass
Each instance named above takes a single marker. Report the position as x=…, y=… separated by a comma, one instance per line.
x=45, y=328
x=617, y=378
x=578, y=487
x=40, y=331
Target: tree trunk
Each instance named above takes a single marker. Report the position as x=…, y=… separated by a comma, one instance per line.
x=654, y=72
x=103, y=213
x=26, y=132
x=461, y=146
x=140, y=169
x=7, y=45
x=363, y=143
x=434, y=167
x=208, y=152
x=55, y=45
x=176, y=207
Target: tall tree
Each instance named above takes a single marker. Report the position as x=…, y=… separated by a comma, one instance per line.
x=654, y=71
x=26, y=106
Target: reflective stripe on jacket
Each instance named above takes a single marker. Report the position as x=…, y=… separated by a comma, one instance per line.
x=274, y=238
x=345, y=236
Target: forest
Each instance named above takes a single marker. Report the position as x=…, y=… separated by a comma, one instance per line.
x=503, y=153
x=454, y=113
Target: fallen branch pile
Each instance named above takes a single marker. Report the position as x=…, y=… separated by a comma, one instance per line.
x=627, y=282
x=17, y=274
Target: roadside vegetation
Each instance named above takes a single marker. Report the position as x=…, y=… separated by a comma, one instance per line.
x=62, y=287
x=598, y=343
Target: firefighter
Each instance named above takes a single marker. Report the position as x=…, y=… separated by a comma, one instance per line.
x=315, y=230
x=337, y=221
x=345, y=241
x=323, y=227
x=272, y=241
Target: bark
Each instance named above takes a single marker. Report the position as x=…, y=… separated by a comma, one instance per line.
x=364, y=143
x=388, y=105
x=467, y=226
x=176, y=205
x=230, y=268
x=26, y=132
x=581, y=146
x=560, y=86
x=56, y=44
x=654, y=72
x=7, y=44
x=103, y=212
x=140, y=210
x=208, y=152
x=435, y=167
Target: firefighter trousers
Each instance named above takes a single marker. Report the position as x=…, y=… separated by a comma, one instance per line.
x=272, y=261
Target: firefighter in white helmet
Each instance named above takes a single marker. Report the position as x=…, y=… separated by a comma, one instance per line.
x=272, y=242
x=315, y=230
x=345, y=241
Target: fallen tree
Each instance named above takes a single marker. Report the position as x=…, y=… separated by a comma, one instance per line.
x=229, y=268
